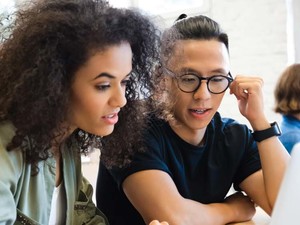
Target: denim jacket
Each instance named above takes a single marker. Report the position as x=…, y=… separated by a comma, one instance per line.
x=290, y=127
x=26, y=199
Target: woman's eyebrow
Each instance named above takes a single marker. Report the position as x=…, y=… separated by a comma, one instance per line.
x=104, y=74
x=128, y=75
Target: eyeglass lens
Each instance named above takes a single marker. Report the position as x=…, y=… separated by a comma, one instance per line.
x=216, y=84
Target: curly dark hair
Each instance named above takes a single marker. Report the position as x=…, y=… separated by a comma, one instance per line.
x=49, y=40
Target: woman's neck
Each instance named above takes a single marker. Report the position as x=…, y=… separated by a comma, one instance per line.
x=58, y=166
x=297, y=116
x=63, y=134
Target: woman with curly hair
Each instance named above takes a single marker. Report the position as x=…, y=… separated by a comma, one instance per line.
x=67, y=69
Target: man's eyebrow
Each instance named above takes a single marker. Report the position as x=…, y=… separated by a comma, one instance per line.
x=219, y=71
x=190, y=70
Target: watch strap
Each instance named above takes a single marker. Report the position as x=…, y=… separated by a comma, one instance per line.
x=261, y=135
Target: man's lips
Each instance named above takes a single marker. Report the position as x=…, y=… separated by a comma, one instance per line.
x=199, y=111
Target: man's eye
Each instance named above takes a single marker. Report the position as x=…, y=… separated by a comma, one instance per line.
x=217, y=79
x=188, y=79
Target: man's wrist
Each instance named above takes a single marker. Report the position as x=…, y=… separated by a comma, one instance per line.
x=261, y=123
x=271, y=131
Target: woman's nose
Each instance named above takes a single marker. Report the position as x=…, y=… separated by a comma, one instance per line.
x=118, y=99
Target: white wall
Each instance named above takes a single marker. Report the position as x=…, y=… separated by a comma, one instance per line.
x=258, y=44
x=296, y=26
x=293, y=10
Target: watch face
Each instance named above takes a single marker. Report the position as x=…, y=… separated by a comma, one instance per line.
x=276, y=126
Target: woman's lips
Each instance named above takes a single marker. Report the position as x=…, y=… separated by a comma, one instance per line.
x=111, y=118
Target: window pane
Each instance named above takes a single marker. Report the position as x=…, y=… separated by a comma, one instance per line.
x=167, y=6
x=156, y=7
x=120, y=3
x=6, y=6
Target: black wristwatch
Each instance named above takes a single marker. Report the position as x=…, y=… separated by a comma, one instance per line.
x=261, y=135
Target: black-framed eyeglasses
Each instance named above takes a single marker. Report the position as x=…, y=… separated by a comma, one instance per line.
x=216, y=84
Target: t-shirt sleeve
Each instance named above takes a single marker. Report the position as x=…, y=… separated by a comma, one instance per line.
x=151, y=159
x=250, y=162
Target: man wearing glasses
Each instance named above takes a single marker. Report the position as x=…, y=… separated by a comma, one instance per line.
x=194, y=155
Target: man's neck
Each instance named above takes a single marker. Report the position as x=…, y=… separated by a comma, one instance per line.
x=191, y=136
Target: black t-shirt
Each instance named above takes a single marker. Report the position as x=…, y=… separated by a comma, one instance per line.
x=204, y=174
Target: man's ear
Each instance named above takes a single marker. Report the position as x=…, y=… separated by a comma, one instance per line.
x=165, y=86
x=166, y=83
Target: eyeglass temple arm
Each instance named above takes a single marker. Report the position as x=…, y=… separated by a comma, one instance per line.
x=169, y=72
x=229, y=73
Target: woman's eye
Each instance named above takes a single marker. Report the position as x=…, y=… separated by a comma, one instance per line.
x=125, y=82
x=102, y=87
